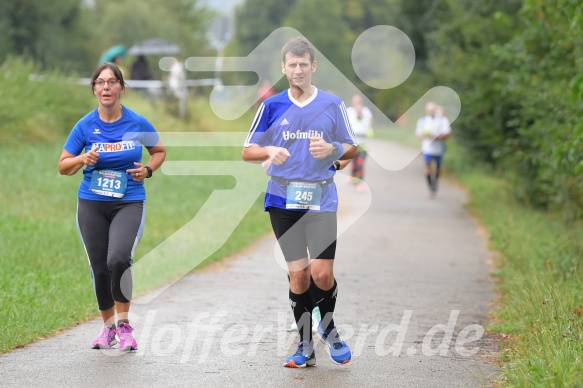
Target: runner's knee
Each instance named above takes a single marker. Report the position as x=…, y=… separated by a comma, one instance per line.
x=299, y=279
x=119, y=260
x=323, y=277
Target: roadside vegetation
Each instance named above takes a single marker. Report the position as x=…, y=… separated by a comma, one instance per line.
x=538, y=276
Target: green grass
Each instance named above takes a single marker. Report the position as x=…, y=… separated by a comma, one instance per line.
x=46, y=285
x=401, y=135
x=539, y=278
x=36, y=112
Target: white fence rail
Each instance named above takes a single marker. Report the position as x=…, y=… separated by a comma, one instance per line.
x=148, y=85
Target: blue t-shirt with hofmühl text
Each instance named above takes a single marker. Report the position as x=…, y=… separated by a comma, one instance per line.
x=282, y=121
x=119, y=146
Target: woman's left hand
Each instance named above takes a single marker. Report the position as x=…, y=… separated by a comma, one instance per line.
x=139, y=173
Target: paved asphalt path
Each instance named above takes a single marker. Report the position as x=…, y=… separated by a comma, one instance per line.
x=414, y=285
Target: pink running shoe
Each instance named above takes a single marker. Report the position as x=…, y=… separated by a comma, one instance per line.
x=126, y=339
x=105, y=339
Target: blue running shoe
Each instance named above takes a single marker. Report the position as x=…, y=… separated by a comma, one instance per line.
x=303, y=357
x=337, y=349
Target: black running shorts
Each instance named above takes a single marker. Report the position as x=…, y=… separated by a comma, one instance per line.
x=301, y=232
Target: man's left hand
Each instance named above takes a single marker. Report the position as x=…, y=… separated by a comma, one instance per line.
x=320, y=149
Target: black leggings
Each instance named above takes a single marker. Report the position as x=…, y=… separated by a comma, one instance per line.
x=358, y=165
x=110, y=232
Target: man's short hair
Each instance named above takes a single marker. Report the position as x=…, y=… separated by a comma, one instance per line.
x=298, y=47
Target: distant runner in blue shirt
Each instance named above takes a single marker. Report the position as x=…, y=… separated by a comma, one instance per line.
x=111, y=207
x=302, y=132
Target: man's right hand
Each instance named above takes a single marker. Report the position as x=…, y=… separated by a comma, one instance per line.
x=278, y=155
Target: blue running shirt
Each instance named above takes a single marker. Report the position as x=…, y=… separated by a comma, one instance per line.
x=282, y=121
x=120, y=145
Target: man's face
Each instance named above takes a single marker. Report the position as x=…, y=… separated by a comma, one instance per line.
x=430, y=109
x=298, y=70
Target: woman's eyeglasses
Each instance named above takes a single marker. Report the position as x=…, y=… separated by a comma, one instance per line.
x=100, y=83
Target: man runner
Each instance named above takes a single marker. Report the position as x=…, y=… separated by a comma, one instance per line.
x=302, y=132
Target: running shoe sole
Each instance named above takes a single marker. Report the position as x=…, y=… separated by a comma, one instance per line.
x=99, y=346
x=128, y=349
x=292, y=364
x=338, y=363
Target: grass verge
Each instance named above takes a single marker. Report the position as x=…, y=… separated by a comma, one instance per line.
x=538, y=276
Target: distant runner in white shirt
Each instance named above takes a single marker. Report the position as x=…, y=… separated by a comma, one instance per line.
x=432, y=129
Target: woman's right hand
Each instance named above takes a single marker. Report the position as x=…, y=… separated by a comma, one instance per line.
x=90, y=157
x=69, y=164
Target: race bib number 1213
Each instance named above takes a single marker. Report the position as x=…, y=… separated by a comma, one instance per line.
x=109, y=183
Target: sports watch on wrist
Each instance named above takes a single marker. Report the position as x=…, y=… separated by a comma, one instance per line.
x=149, y=171
x=334, y=150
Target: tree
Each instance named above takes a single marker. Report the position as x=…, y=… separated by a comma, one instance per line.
x=462, y=55
x=516, y=65
x=361, y=15
x=321, y=22
x=47, y=32
x=254, y=21
x=131, y=21
x=333, y=26
x=414, y=18
x=546, y=58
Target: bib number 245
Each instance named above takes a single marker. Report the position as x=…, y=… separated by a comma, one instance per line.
x=303, y=195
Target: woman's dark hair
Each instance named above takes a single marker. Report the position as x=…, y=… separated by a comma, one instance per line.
x=111, y=66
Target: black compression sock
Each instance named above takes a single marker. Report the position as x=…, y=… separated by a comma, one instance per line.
x=302, y=307
x=326, y=302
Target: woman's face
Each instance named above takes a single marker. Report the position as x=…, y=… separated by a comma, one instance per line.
x=108, y=95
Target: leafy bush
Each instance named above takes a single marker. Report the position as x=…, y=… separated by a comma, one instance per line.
x=517, y=67
x=546, y=60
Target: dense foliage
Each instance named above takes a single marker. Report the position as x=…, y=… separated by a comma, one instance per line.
x=518, y=68
x=50, y=32
x=72, y=34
